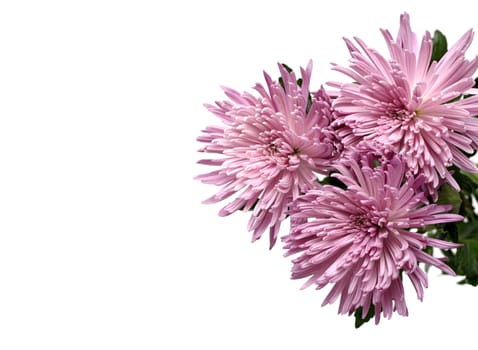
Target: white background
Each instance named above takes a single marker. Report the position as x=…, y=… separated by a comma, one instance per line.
x=104, y=243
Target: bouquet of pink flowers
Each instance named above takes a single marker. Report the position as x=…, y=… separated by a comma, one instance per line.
x=374, y=175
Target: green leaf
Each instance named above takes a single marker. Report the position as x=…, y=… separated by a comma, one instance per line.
x=467, y=261
x=448, y=195
x=332, y=180
x=359, y=319
x=440, y=46
x=446, y=232
x=281, y=82
x=470, y=176
x=468, y=229
x=469, y=190
x=287, y=68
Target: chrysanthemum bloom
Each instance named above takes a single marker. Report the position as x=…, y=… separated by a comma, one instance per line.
x=269, y=148
x=361, y=238
x=411, y=104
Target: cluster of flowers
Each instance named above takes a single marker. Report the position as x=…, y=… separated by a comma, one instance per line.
x=384, y=142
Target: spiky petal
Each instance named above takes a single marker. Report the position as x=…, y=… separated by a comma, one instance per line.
x=406, y=102
x=360, y=238
x=269, y=148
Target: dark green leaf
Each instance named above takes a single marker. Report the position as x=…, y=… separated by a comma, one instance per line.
x=446, y=232
x=281, y=82
x=467, y=261
x=452, y=232
x=359, y=319
x=470, y=176
x=440, y=46
x=332, y=180
x=287, y=68
x=468, y=229
x=448, y=195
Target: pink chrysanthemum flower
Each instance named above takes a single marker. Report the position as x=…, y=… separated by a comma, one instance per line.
x=362, y=237
x=269, y=148
x=411, y=104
